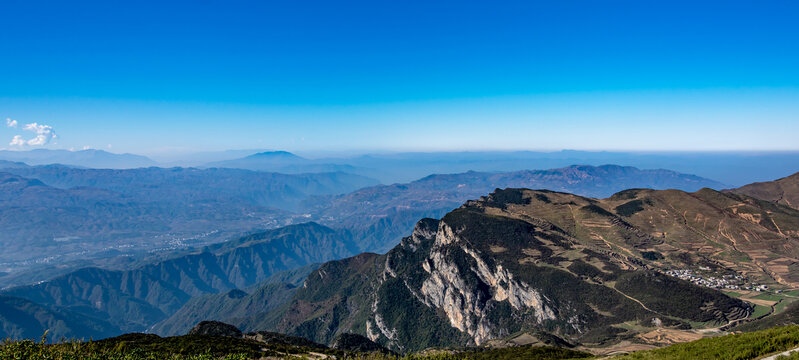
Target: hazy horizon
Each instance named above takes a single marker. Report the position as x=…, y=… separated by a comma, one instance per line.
x=176, y=155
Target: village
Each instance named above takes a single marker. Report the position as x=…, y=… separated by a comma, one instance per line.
x=726, y=282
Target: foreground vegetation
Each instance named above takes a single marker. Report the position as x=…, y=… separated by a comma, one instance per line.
x=737, y=346
x=202, y=347
x=510, y=353
x=199, y=347
x=185, y=349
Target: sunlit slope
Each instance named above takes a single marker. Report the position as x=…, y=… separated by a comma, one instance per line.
x=783, y=191
x=671, y=229
x=518, y=262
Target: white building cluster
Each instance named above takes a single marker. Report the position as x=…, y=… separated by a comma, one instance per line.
x=727, y=282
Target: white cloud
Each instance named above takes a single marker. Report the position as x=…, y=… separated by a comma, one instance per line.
x=44, y=134
x=17, y=141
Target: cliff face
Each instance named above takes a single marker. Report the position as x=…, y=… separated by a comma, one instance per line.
x=506, y=264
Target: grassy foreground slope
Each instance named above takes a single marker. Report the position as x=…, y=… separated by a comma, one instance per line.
x=737, y=346
x=149, y=346
x=741, y=346
x=790, y=316
x=204, y=347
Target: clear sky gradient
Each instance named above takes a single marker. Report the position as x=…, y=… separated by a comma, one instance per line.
x=155, y=77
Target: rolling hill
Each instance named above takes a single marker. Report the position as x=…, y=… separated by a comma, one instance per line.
x=784, y=191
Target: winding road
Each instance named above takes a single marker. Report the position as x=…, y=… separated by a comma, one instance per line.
x=784, y=353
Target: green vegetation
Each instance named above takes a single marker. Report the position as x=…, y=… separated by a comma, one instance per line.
x=401, y=311
x=629, y=208
x=519, y=352
x=760, y=310
x=788, y=316
x=792, y=356
x=737, y=346
x=152, y=347
x=679, y=298
x=769, y=297
x=508, y=196
x=595, y=209
x=652, y=255
x=190, y=349
x=782, y=305
x=732, y=293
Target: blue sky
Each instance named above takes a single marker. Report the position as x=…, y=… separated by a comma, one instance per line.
x=308, y=76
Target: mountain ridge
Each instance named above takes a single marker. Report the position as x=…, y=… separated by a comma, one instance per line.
x=136, y=299
x=784, y=191
x=523, y=260
x=86, y=158
x=21, y=318
x=393, y=209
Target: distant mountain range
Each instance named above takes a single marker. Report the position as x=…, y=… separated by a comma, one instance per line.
x=731, y=168
x=55, y=214
x=379, y=216
x=84, y=158
x=282, y=162
x=180, y=185
x=73, y=215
